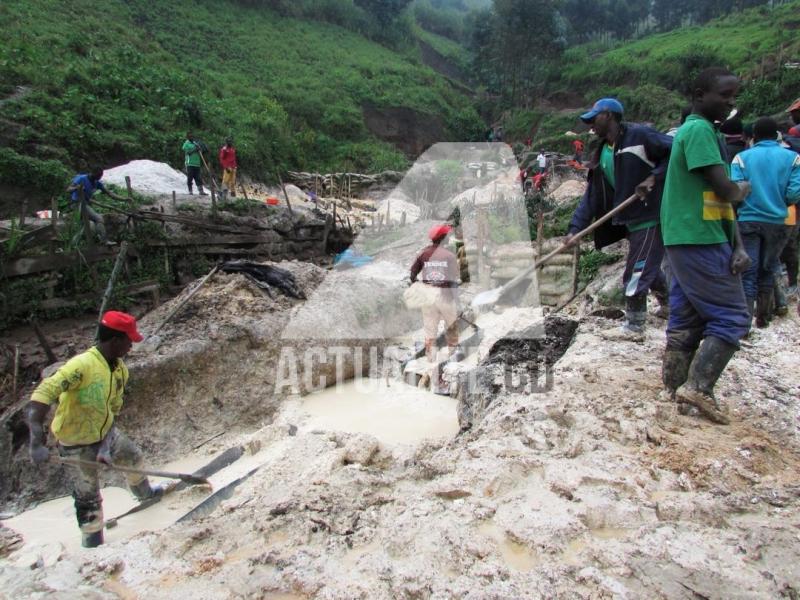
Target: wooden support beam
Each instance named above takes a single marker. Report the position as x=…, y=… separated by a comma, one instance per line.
x=123, y=251
x=48, y=350
x=53, y=262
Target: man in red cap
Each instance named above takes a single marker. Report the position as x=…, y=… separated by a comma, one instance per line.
x=438, y=267
x=88, y=390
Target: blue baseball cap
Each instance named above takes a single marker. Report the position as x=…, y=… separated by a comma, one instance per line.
x=604, y=104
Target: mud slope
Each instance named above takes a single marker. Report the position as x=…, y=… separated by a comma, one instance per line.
x=592, y=489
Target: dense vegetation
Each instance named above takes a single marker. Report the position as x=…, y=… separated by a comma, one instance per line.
x=127, y=81
x=651, y=75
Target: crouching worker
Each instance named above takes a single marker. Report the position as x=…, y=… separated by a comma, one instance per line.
x=438, y=268
x=88, y=390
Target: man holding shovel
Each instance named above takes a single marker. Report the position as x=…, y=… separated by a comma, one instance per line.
x=88, y=390
x=194, y=157
x=631, y=159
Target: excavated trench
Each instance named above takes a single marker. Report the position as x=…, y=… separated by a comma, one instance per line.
x=229, y=364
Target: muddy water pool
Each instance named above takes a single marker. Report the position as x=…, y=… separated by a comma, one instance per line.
x=393, y=412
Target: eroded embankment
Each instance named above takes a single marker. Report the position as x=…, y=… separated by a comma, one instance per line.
x=590, y=488
x=229, y=358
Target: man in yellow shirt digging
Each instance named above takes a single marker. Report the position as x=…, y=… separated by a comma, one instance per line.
x=88, y=391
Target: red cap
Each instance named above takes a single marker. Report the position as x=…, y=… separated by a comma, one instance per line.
x=120, y=321
x=795, y=106
x=439, y=231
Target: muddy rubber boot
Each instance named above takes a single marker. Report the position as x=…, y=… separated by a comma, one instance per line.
x=764, y=308
x=706, y=368
x=675, y=370
x=781, y=305
x=92, y=540
x=635, y=320
x=144, y=491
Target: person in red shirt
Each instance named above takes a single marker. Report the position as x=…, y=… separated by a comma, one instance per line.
x=438, y=267
x=578, y=145
x=227, y=160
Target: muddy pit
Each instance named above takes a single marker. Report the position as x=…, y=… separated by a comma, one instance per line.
x=590, y=488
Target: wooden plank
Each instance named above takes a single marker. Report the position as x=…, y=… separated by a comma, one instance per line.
x=52, y=262
x=216, y=240
x=145, y=287
x=157, y=216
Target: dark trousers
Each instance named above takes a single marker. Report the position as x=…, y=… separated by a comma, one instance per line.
x=705, y=298
x=763, y=243
x=193, y=173
x=789, y=254
x=645, y=253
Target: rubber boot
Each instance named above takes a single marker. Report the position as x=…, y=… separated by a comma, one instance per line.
x=144, y=491
x=191, y=192
x=710, y=360
x=764, y=308
x=224, y=195
x=635, y=319
x=92, y=540
x=675, y=369
x=781, y=305
x=201, y=191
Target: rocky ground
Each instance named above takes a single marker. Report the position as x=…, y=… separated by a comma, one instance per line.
x=594, y=488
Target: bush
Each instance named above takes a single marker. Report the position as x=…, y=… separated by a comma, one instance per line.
x=48, y=175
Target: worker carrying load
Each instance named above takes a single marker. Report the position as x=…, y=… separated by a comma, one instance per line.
x=88, y=391
x=439, y=272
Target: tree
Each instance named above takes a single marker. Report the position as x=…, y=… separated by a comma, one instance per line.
x=383, y=11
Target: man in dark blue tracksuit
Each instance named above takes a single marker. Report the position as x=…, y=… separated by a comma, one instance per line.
x=631, y=159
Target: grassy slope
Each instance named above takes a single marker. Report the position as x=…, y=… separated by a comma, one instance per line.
x=128, y=80
x=649, y=74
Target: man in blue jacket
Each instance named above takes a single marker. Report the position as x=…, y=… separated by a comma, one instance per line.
x=774, y=176
x=631, y=159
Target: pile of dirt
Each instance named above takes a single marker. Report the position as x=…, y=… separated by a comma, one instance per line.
x=147, y=177
x=533, y=345
x=568, y=191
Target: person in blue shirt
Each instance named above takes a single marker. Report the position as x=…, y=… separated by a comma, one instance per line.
x=91, y=183
x=774, y=176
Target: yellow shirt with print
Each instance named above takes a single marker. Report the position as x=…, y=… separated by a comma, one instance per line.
x=89, y=396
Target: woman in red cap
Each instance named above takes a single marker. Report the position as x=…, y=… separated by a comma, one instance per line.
x=438, y=267
x=88, y=390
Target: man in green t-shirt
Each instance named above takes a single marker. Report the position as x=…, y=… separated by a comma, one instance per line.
x=708, y=311
x=191, y=150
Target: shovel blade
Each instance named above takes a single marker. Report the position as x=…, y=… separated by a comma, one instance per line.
x=486, y=298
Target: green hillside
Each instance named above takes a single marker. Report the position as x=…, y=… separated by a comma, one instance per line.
x=650, y=75
x=105, y=83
